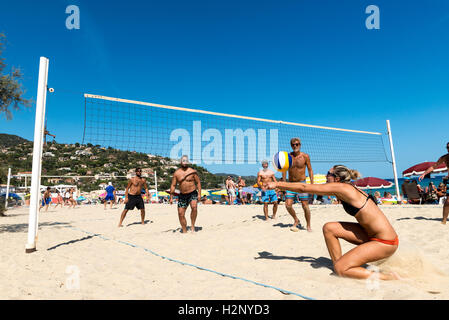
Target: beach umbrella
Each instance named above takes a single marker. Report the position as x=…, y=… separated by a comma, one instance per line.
x=204, y=193
x=373, y=183
x=223, y=192
x=81, y=198
x=317, y=179
x=163, y=194
x=11, y=195
x=420, y=168
x=176, y=192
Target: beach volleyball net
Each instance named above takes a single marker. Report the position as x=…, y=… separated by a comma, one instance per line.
x=211, y=138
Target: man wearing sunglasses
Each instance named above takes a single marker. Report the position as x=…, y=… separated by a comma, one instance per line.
x=133, y=196
x=297, y=173
x=443, y=159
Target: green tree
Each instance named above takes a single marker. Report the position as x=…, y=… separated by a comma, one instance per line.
x=11, y=90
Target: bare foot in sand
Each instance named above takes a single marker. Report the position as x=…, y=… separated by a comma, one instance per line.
x=296, y=226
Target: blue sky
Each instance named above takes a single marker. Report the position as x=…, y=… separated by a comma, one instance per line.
x=310, y=62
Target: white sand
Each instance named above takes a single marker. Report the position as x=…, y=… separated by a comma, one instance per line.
x=230, y=240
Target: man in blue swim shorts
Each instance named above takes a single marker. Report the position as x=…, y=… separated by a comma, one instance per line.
x=110, y=195
x=265, y=176
x=46, y=199
x=297, y=173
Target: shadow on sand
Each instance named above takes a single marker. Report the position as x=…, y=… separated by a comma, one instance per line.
x=419, y=218
x=139, y=223
x=316, y=263
x=23, y=227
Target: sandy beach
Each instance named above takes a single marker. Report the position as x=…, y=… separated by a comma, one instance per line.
x=156, y=261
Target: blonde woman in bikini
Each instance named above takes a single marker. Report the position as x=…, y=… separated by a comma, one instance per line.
x=373, y=234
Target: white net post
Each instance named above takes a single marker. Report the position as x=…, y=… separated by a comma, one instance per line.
x=155, y=183
x=37, y=155
x=393, y=159
x=7, y=188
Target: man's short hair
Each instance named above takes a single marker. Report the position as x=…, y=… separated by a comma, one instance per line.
x=138, y=169
x=295, y=139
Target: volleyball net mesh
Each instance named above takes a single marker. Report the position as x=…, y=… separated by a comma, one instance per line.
x=215, y=138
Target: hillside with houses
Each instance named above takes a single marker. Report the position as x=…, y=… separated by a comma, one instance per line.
x=89, y=166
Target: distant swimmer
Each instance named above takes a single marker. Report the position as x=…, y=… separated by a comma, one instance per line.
x=373, y=235
x=110, y=195
x=190, y=189
x=442, y=159
x=297, y=173
x=133, y=196
x=265, y=176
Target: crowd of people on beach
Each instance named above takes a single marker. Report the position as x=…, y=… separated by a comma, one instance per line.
x=67, y=199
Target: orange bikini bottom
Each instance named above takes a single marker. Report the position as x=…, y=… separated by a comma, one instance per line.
x=394, y=242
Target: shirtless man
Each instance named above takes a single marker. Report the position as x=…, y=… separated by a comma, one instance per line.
x=133, y=196
x=230, y=187
x=189, y=189
x=297, y=173
x=443, y=159
x=46, y=199
x=72, y=202
x=240, y=185
x=265, y=176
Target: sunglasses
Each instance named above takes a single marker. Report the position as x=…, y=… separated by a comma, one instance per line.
x=331, y=174
x=295, y=144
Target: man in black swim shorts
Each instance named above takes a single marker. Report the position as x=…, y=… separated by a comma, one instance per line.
x=133, y=196
x=189, y=188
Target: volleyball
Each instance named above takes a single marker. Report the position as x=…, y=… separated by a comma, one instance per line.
x=282, y=160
